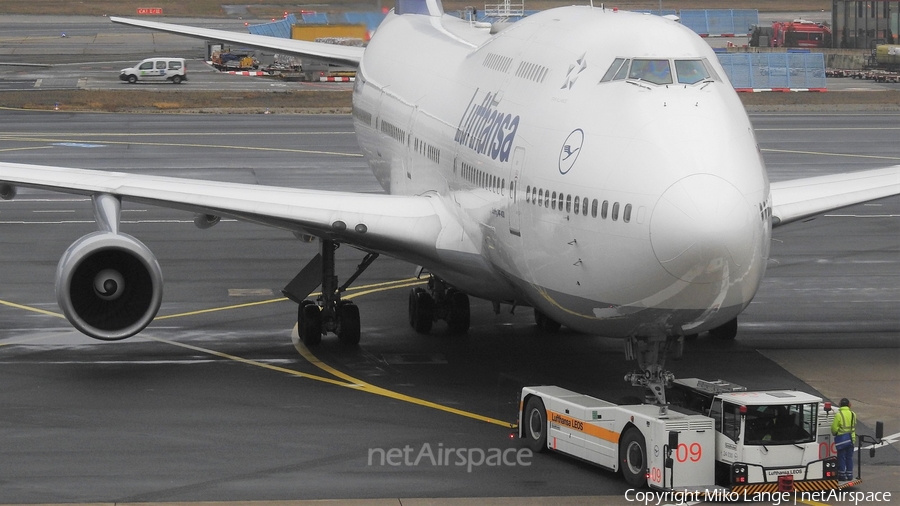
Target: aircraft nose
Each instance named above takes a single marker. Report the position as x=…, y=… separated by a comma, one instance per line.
x=702, y=229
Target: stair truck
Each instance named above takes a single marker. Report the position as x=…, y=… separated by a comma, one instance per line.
x=715, y=437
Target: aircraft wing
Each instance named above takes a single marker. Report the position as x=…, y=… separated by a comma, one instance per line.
x=405, y=227
x=331, y=53
x=801, y=198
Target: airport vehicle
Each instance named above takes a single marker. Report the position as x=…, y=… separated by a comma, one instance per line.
x=888, y=55
x=796, y=33
x=611, y=182
x=715, y=434
x=156, y=69
x=800, y=33
x=229, y=60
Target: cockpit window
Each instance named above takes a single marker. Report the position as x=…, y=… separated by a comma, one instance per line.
x=690, y=71
x=616, y=64
x=652, y=71
x=660, y=71
x=623, y=71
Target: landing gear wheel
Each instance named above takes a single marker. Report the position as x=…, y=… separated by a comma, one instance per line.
x=309, y=323
x=421, y=310
x=535, y=420
x=348, y=321
x=633, y=458
x=458, y=319
x=545, y=323
x=726, y=332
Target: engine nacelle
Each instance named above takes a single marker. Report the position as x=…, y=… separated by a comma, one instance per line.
x=109, y=285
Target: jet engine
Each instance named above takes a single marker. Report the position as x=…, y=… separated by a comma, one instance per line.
x=109, y=285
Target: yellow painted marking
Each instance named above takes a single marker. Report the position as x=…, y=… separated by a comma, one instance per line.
x=356, y=292
x=349, y=381
x=24, y=149
x=223, y=308
x=171, y=134
x=791, y=151
x=370, y=388
x=187, y=145
x=22, y=341
x=247, y=361
x=32, y=309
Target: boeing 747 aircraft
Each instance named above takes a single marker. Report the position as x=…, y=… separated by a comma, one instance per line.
x=611, y=182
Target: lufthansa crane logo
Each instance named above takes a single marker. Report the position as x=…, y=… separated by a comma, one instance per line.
x=570, y=150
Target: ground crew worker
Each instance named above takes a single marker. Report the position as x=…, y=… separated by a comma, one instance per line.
x=843, y=428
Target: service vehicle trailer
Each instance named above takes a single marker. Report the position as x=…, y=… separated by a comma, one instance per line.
x=745, y=442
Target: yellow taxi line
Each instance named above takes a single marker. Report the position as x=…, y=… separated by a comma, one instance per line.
x=248, y=361
x=794, y=152
x=351, y=382
x=188, y=145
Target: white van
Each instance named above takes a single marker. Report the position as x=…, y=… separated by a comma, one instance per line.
x=156, y=69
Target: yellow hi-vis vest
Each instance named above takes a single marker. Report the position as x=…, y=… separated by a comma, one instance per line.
x=844, y=423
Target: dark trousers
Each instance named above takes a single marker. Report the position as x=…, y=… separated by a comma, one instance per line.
x=844, y=456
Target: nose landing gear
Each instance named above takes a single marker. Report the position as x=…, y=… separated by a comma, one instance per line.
x=650, y=353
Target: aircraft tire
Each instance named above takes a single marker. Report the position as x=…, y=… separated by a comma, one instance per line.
x=348, y=319
x=459, y=317
x=309, y=323
x=633, y=458
x=545, y=323
x=421, y=311
x=535, y=420
x=726, y=332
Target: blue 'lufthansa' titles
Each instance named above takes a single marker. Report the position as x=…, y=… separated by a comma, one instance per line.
x=486, y=130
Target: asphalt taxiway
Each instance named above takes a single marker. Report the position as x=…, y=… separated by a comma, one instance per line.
x=213, y=402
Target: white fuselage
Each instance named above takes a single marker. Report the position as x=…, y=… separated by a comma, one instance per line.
x=620, y=208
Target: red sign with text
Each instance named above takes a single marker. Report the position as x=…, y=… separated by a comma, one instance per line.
x=149, y=10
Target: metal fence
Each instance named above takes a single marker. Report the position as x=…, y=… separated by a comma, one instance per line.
x=717, y=22
x=280, y=28
x=315, y=18
x=775, y=71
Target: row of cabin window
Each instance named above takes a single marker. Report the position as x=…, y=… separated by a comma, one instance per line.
x=482, y=179
x=576, y=204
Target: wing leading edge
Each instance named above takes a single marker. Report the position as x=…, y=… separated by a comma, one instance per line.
x=412, y=228
x=331, y=53
x=801, y=198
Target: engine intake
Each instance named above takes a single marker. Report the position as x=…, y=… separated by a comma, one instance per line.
x=109, y=285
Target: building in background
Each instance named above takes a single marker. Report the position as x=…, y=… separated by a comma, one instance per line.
x=865, y=24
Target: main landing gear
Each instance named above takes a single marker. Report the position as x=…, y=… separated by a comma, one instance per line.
x=438, y=301
x=328, y=313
